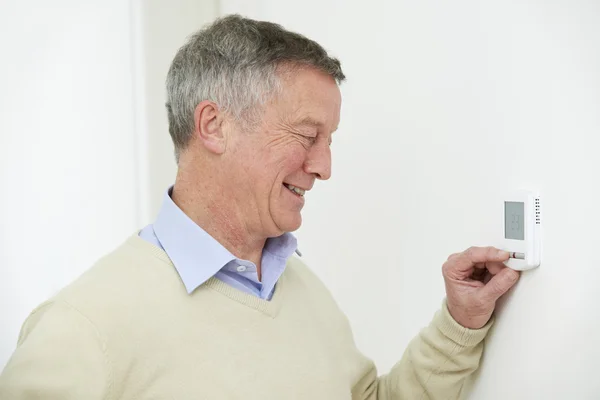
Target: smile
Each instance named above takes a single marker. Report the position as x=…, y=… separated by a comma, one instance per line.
x=298, y=191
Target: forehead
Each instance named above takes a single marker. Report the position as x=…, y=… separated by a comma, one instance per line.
x=310, y=97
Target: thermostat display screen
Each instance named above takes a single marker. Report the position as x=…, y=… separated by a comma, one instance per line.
x=514, y=220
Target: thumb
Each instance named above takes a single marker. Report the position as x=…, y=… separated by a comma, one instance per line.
x=500, y=284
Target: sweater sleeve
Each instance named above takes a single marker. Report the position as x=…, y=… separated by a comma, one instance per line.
x=59, y=356
x=435, y=365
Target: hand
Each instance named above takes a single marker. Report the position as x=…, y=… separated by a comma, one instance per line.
x=474, y=280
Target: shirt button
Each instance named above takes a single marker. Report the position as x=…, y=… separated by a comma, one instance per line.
x=241, y=268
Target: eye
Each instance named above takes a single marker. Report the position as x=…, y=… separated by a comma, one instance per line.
x=307, y=138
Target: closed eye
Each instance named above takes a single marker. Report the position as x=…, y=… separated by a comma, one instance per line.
x=307, y=138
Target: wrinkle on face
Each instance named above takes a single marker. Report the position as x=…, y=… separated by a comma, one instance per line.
x=289, y=146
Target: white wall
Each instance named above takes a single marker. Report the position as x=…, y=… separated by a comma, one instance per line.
x=448, y=106
x=66, y=131
x=81, y=93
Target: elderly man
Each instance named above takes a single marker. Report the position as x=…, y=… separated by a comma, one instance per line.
x=209, y=302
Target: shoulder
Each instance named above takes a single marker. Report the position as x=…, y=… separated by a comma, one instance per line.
x=133, y=263
x=122, y=283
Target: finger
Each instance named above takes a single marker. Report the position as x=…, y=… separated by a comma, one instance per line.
x=499, y=284
x=485, y=254
x=475, y=255
x=493, y=267
x=484, y=272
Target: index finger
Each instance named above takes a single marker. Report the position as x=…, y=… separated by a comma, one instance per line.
x=466, y=261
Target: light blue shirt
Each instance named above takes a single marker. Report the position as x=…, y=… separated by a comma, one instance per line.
x=197, y=256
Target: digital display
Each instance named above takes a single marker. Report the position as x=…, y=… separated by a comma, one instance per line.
x=514, y=220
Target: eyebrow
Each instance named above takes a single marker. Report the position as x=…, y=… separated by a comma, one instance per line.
x=310, y=122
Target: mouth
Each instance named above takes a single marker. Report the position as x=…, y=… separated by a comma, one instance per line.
x=296, y=190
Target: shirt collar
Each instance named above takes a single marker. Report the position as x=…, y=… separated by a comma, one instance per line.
x=198, y=256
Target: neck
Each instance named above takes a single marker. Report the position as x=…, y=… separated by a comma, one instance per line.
x=201, y=199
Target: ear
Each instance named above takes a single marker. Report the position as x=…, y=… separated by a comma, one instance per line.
x=208, y=124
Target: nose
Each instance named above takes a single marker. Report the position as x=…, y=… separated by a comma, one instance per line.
x=318, y=162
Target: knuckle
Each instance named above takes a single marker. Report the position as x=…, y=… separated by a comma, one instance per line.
x=445, y=267
x=491, y=252
x=481, y=253
x=449, y=269
x=453, y=256
x=450, y=262
x=496, y=285
x=471, y=251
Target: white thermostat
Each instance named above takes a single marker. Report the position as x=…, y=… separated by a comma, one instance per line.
x=522, y=230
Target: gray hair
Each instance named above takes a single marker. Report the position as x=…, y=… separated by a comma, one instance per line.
x=235, y=62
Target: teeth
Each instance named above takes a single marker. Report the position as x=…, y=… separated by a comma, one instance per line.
x=295, y=189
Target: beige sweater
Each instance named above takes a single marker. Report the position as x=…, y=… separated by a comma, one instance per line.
x=127, y=329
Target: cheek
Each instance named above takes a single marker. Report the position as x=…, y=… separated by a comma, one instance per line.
x=294, y=159
x=283, y=160
x=287, y=165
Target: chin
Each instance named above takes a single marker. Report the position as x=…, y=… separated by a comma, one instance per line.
x=289, y=223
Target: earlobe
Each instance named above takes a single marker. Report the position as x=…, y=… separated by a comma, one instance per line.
x=208, y=127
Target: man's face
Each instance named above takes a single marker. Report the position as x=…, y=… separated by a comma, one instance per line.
x=279, y=161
